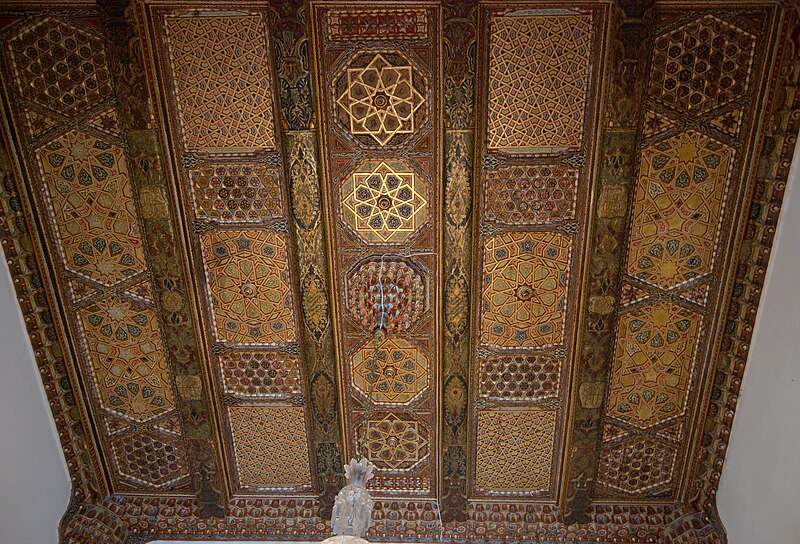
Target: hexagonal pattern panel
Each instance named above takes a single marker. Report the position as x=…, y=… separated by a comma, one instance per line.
x=702, y=65
x=60, y=66
x=638, y=466
x=150, y=459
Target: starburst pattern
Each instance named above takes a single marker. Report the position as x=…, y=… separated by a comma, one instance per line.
x=384, y=204
x=123, y=342
x=248, y=284
x=380, y=100
x=393, y=372
x=653, y=364
x=396, y=441
x=525, y=289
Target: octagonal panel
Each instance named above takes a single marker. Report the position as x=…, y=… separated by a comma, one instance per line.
x=393, y=371
x=380, y=98
x=387, y=294
x=395, y=441
x=384, y=202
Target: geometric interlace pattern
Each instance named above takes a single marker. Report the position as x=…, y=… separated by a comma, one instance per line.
x=701, y=65
x=515, y=450
x=530, y=195
x=380, y=100
x=538, y=79
x=249, y=286
x=641, y=465
x=396, y=441
x=385, y=24
x=150, y=459
x=393, y=371
x=91, y=201
x=384, y=205
x=60, y=66
x=220, y=67
x=653, y=364
x=270, y=446
x=677, y=209
x=123, y=342
x=525, y=289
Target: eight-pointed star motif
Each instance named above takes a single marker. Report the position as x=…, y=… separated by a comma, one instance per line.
x=384, y=204
x=380, y=100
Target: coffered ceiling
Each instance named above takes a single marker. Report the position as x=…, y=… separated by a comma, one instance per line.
x=511, y=252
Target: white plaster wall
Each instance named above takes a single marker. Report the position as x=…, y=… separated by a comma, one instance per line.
x=759, y=495
x=34, y=484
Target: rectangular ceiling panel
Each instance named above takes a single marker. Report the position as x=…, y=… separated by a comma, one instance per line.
x=704, y=74
x=219, y=82
x=378, y=86
x=82, y=192
x=540, y=79
x=510, y=252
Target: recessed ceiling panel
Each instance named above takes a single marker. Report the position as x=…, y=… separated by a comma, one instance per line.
x=221, y=99
x=85, y=200
x=378, y=85
x=511, y=252
x=684, y=217
x=541, y=83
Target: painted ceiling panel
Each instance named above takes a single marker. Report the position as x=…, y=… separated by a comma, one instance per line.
x=537, y=169
x=240, y=245
x=380, y=97
x=510, y=252
x=684, y=215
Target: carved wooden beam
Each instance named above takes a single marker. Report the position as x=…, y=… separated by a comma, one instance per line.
x=616, y=178
x=146, y=160
x=301, y=149
x=459, y=36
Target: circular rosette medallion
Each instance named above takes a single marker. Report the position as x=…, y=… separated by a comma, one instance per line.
x=395, y=441
x=387, y=295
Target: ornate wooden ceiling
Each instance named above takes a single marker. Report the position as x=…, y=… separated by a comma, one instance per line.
x=510, y=251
